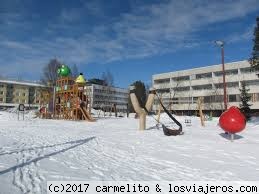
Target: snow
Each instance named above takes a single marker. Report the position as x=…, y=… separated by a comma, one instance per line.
x=35, y=151
x=27, y=83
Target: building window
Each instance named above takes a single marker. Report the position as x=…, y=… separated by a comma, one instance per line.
x=246, y=70
x=184, y=100
x=252, y=83
x=9, y=86
x=207, y=99
x=218, y=98
x=217, y=86
x=175, y=100
x=231, y=72
x=194, y=99
x=255, y=97
x=180, y=89
x=165, y=90
x=1, y=99
x=232, y=84
x=232, y=98
x=218, y=73
x=181, y=78
x=227, y=72
x=202, y=87
x=1, y=92
x=203, y=75
x=162, y=81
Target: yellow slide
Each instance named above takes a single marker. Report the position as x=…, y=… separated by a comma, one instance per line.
x=86, y=115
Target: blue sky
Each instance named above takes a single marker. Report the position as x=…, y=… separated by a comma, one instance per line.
x=132, y=39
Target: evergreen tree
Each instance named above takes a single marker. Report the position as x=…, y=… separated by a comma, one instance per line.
x=140, y=93
x=254, y=60
x=245, y=98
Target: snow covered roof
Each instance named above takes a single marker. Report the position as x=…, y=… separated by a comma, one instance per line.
x=25, y=83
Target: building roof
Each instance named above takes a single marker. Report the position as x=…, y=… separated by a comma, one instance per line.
x=209, y=68
x=24, y=83
x=103, y=86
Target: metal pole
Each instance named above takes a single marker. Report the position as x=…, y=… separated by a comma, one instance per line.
x=54, y=102
x=224, y=78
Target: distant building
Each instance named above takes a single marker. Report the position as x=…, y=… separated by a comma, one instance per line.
x=180, y=89
x=105, y=96
x=13, y=93
x=97, y=81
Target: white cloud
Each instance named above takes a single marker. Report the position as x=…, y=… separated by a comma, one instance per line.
x=145, y=31
x=70, y=15
x=246, y=34
x=93, y=8
x=14, y=45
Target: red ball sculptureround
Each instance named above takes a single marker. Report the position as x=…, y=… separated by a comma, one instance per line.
x=232, y=120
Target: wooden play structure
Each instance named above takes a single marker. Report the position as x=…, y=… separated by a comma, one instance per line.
x=69, y=99
x=71, y=102
x=45, y=103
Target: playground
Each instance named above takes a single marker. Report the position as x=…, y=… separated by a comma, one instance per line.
x=68, y=140
x=70, y=100
x=52, y=145
x=37, y=150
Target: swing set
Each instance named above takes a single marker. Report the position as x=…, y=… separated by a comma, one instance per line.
x=143, y=111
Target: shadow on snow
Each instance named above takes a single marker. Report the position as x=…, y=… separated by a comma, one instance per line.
x=76, y=144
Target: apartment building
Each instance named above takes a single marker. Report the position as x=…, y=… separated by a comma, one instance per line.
x=13, y=93
x=105, y=96
x=180, y=90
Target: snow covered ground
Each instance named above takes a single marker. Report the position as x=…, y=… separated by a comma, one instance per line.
x=35, y=151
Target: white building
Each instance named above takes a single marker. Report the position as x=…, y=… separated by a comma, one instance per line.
x=180, y=90
x=106, y=96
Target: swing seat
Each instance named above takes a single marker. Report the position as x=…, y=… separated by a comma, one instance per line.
x=172, y=132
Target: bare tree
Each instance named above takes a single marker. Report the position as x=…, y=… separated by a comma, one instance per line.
x=216, y=96
x=175, y=92
x=75, y=72
x=167, y=91
x=50, y=74
x=19, y=77
x=108, y=78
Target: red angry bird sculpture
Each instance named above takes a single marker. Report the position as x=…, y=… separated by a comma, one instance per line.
x=232, y=120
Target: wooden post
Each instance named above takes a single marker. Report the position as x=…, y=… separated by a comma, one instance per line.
x=159, y=111
x=200, y=111
x=115, y=110
x=140, y=111
x=127, y=110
